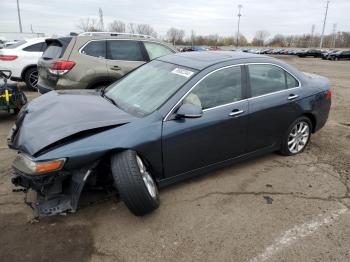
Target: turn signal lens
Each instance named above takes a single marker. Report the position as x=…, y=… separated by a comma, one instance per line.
x=46, y=167
x=28, y=166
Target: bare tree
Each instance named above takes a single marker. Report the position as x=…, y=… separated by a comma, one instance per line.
x=175, y=35
x=89, y=25
x=131, y=28
x=260, y=37
x=117, y=26
x=146, y=30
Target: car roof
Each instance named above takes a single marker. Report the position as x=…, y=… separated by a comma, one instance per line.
x=201, y=60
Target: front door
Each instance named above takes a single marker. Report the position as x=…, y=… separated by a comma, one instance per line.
x=218, y=135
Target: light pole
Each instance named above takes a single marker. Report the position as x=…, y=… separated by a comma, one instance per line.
x=19, y=17
x=239, y=20
x=324, y=25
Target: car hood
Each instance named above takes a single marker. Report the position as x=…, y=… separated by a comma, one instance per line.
x=59, y=116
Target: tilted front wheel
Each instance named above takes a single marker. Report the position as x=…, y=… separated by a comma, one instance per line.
x=134, y=182
x=297, y=137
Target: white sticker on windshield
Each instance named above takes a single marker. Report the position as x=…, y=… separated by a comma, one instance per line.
x=182, y=72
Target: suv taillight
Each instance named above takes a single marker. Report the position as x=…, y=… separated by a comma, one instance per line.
x=61, y=67
x=8, y=57
x=329, y=94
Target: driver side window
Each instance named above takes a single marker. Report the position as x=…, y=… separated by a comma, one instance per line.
x=219, y=88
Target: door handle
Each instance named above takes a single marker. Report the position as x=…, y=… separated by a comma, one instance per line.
x=292, y=96
x=115, y=68
x=236, y=112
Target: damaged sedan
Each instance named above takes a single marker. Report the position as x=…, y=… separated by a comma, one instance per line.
x=174, y=118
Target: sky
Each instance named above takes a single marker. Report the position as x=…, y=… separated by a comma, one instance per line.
x=203, y=16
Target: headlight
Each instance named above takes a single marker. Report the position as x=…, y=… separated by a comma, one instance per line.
x=28, y=166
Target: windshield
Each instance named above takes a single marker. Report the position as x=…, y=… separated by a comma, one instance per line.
x=147, y=88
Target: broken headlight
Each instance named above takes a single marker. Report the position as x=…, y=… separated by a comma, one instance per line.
x=28, y=166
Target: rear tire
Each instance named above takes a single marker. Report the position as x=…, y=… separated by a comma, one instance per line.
x=31, y=78
x=135, y=185
x=297, y=137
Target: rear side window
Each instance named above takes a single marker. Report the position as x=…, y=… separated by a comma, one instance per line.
x=155, y=50
x=265, y=79
x=34, y=48
x=219, y=88
x=95, y=48
x=124, y=50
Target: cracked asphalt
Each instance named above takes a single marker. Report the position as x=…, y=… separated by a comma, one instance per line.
x=271, y=208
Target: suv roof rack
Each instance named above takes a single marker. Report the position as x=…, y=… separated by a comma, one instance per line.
x=114, y=34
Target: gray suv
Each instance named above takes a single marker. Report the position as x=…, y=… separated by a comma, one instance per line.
x=94, y=60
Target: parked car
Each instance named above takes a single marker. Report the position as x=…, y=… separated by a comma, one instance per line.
x=176, y=117
x=95, y=60
x=309, y=52
x=339, y=55
x=215, y=48
x=326, y=53
x=21, y=59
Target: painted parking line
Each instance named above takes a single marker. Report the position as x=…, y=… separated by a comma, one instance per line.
x=296, y=233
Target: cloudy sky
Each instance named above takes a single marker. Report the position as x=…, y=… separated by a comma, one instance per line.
x=203, y=16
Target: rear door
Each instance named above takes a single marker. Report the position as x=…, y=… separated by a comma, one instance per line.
x=91, y=67
x=123, y=56
x=272, y=107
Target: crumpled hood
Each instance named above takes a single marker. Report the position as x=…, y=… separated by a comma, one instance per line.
x=58, y=115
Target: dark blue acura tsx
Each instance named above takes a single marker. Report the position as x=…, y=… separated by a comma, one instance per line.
x=176, y=117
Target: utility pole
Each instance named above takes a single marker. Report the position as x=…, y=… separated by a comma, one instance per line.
x=239, y=20
x=101, y=19
x=19, y=18
x=312, y=35
x=324, y=24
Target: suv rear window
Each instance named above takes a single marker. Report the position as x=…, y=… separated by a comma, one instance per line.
x=55, y=48
x=124, y=50
x=95, y=48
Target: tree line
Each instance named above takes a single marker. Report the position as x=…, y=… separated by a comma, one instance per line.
x=261, y=37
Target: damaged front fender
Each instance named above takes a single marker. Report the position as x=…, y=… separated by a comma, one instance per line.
x=56, y=193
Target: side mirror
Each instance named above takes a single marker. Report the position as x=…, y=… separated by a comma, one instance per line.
x=189, y=111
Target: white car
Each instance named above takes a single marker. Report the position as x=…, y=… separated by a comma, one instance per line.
x=22, y=58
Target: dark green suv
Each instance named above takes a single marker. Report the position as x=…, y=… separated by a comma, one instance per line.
x=94, y=60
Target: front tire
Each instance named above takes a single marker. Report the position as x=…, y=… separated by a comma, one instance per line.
x=297, y=137
x=31, y=78
x=134, y=182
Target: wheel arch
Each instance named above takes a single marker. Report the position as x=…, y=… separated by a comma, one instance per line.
x=25, y=69
x=313, y=120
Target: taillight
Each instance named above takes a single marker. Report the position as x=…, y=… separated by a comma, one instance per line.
x=8, y=57
x=329, y=94
x=61, y=67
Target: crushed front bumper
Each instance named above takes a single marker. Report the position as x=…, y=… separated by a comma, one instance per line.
x=56, y=193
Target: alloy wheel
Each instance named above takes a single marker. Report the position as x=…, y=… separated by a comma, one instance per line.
x=298, y=137
x=33, y=79
x=147, y=179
